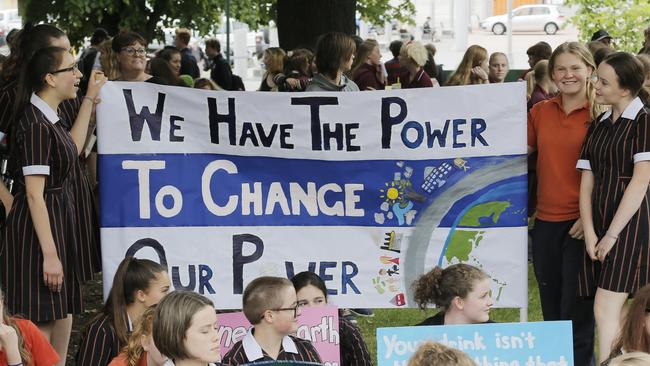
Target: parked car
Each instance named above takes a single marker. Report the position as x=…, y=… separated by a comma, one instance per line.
x=545, y=18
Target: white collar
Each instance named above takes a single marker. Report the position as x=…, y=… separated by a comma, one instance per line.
x=40, y=104
x=630, y=111
x=254, y=352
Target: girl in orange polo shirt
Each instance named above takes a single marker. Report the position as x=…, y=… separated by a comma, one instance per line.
x=141, y=351
x=21, y=343
x=556, y=130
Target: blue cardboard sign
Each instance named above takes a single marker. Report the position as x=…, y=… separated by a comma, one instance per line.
x=494, y=344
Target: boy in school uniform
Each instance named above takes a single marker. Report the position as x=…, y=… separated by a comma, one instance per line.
x=270, y=304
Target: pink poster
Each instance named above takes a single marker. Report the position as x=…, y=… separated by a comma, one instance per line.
x=319, y=324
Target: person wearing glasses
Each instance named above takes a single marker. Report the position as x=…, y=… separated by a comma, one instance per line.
x=40, y=270
x=271, y=305
x=131, y=54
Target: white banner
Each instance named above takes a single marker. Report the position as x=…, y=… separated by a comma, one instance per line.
x=367, y=189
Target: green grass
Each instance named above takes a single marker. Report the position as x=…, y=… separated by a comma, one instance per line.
x=405, y=317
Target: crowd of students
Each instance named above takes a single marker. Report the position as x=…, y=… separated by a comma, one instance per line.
x=587, y=125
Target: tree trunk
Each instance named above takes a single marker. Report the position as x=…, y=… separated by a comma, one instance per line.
x=301, y=22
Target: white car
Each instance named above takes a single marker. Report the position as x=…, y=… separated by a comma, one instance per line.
x=545, y=18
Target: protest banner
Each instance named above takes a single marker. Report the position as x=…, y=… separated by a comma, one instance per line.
x=367, y=189
x=495, y=344
x=318, y=324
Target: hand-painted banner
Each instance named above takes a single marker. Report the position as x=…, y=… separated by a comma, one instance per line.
x=317, y=324
x=514, y=344
x=367, y=189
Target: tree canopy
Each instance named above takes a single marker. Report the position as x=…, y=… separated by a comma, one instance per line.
x=80, y=17
x=623, y=20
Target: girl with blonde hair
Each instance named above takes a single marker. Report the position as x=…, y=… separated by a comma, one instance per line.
x=432, y=353
x=273, y=60
x=141, y=350
x=412, y=57
x=556, y=130
x=473, y=68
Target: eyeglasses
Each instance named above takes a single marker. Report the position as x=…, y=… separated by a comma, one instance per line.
x=294, y=309
x=73, y=68
x=135, y=51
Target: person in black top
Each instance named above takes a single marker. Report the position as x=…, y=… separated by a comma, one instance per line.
x=461, y=291
x=220, y=71
x=188, y=62
x=131, y=55
x=311, y=291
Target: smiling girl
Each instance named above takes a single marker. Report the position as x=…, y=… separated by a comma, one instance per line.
x=556, y=130
x=614, y=196
x=461, y=291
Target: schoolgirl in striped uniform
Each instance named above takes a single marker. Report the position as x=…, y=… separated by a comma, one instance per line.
x=26, y=43
x=39, y=272
x=614, y=195
x=137, y=284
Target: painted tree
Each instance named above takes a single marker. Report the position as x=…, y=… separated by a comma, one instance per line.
x=623, y=20
x=80, y=17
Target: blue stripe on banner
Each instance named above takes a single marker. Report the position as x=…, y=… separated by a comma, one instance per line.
x=221, y=190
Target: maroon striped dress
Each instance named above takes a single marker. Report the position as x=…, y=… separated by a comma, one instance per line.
x=610, y=150
x=40, y=146
x=84, y=202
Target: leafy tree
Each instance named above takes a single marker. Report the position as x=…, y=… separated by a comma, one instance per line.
x=80, y=17
x=623, y=20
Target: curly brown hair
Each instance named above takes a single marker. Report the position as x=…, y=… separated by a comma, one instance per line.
x=440, y=286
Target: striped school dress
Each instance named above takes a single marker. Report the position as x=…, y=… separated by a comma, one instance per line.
x=86, y=208
x=84, y=202
x=610, y=150
x=40, y=145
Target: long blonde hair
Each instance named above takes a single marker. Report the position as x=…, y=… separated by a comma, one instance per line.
x=579, y=50
x=25, y=355
x=474, y=56
x=133, y=349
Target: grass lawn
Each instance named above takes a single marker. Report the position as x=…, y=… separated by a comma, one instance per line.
x=405, y=317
